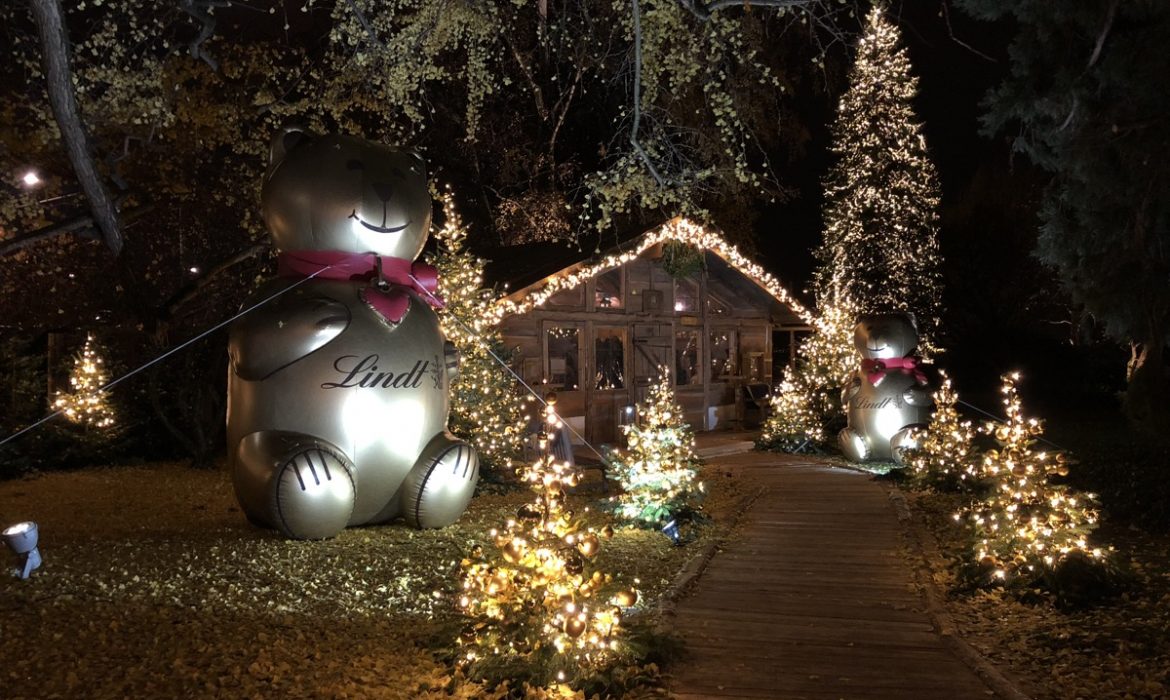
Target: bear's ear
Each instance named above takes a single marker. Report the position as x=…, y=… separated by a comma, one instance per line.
x=285, y=139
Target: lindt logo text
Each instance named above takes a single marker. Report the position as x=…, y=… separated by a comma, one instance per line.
x=364, y=374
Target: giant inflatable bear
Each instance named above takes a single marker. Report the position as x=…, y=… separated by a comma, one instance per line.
x=338, y=385
x=888, y=396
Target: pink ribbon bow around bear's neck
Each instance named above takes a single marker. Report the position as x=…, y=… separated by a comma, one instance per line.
x=876, y=370
x=401, y=276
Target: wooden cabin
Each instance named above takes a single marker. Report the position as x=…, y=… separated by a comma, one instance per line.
x=596, y=331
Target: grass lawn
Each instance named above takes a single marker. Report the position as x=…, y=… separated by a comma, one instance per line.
x=154, y=585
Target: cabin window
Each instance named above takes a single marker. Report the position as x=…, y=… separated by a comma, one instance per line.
x=564, y=358
x=610, y=356
x=687, y=369
x=686, y=297
x=650, y=287
x=568, y=298
x=722, y=344
x=607, y=293
x=716, y=306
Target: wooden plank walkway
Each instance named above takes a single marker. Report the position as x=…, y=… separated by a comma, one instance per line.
x=813, y=598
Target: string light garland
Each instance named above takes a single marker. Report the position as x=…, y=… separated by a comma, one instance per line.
x=1027, y=525
x=945, y=456
x=86, y=404
x=658, y=471
x=677, y=229
x=486, y=409
x=540, y=600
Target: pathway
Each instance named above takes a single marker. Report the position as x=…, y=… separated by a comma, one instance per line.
x=813, y=598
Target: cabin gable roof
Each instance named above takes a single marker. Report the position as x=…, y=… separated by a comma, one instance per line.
x=727, y=268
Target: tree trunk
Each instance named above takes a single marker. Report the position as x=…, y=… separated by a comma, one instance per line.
x=59, y=77
x=1146, y=402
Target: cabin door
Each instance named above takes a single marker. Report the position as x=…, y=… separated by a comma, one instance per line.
x=653, y=346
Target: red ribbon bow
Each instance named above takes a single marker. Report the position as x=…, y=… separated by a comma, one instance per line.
x=876, y=370
x=402, y=275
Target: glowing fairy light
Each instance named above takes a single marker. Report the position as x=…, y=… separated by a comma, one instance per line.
x=1026, y=524
x=658, y=470
x=678, y=229
x=945, y=456
x=540, y=598
x=486, y=408
x=86, y=404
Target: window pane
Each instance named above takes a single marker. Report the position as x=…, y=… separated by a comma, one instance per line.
x=610, y=353
x=686, y=358
x=568, y=298
x=722, y=353
x=608, y=294
x=563, y=359
x=686, y=297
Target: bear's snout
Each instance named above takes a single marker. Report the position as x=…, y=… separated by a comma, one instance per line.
x=384, y=190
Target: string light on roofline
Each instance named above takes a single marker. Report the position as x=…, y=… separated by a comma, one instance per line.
x=678, y=229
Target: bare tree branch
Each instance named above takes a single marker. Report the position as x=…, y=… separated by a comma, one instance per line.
x=946, y=13
x=638, y=96
x=361, y=18
x=59, y=77
x=192, y=290
x=1109, y=17
x=81, y=227
x=199, y=10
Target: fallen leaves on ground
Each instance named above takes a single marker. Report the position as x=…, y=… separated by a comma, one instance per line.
x=1119, y=648
x=154, y=585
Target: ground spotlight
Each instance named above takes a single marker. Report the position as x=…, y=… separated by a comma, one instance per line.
x=671, y=530
x=21, y=538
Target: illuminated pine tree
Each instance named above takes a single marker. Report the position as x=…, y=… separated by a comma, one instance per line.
x=658, y=471
x=809, y=399
x=880, y=251
x=86, y=404
x=538, y=608
x=486, y=408
x=1027, y=526
x=945, y=457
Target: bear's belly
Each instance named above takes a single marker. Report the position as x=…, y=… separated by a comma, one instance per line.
x=879, y=412
x=378, y=393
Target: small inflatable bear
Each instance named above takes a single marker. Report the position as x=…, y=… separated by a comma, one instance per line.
x=888, y=397
x=338, y=382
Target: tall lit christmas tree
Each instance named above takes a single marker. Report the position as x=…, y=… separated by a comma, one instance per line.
x=880, y=251
x=658, y=471
x=86, y=404
x=1027, y=525
x=538, y=605
x=486, y=408
x=945, y=456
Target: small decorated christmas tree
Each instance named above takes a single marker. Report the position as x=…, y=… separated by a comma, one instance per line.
x=86, y=404
x=658, y=471
x=539, y=605
x=809, y=400
x=945, y=456
x=1027, y=526
x=486, y=409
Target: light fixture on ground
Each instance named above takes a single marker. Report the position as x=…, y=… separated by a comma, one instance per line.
x=671, y=530
x=30, y=179
x=21, y=538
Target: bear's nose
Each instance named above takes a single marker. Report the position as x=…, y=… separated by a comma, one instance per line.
x=383, y=190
